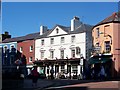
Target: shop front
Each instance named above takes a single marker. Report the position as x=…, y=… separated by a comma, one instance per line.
x=98, y=61
x=64, y=68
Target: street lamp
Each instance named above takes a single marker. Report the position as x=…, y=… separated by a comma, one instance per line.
x=81, y=65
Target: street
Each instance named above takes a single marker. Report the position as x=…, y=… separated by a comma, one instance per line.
x=67, y=85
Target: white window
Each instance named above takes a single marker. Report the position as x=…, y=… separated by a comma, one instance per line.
x=31, y=48
x=42, y=55
x=72, y=39
x=63, y=68
x=62, y=54
x=21, y=49
x=73, y=53
x=51, y=54
x=42, y=42
x=30, y=59
x=74, y=69
x=62, y=39
x=52, y=41
x=107, y=46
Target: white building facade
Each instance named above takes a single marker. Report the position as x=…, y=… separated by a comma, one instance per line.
x=63, y=48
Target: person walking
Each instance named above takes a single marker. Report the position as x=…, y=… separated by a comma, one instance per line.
x=52, y=73
x=35, y=75
x=102, y=73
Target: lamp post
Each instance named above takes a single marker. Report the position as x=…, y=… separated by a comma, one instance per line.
x=81, y=65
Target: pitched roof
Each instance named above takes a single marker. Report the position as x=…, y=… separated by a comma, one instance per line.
x=80, y=29
x=115, y=17
x=22, y=38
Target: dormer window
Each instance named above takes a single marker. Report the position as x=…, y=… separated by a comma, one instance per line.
x=57, y=30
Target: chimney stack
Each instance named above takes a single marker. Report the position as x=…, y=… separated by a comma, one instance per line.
x=75, y=23
x=43, y=29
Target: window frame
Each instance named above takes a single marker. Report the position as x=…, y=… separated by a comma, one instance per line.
x=73, y=54
x=73, y=39
x=21, y=49
x=107, y=46
x=30, y=60
x=51, y=41
x=42, y=42
x=51, y=54
x=62, y=40
x=62, y=54
x=31, y=48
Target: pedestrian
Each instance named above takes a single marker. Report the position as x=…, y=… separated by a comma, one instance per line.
x=52, y=73
x=102, y=73
x=35, y=75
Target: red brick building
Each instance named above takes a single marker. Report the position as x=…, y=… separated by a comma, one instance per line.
x=26, y=49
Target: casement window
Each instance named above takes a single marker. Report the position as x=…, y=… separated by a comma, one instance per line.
x=62, y=54
x=21, y=49
x=62, y=39
x=73, y=53
x=72, y=39
x=42, y=42
x=107, y=46
x=31, y=48
x=30, y=59
x=52, y=41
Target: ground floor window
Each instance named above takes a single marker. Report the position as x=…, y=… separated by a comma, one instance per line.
x=56, y=68
x=74, y=68
x=63, y=68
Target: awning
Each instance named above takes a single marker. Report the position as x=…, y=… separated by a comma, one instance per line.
x=100, y=59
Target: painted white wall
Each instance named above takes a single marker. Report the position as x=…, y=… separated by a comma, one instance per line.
x=80, y=41
x=60, y=32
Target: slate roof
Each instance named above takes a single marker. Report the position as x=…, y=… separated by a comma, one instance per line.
x=22, y=38
x=115, y=17
x=32, y=36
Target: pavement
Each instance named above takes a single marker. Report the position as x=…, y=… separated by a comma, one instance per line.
x=67, y=85
x=41, y=84
x=102, y=85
